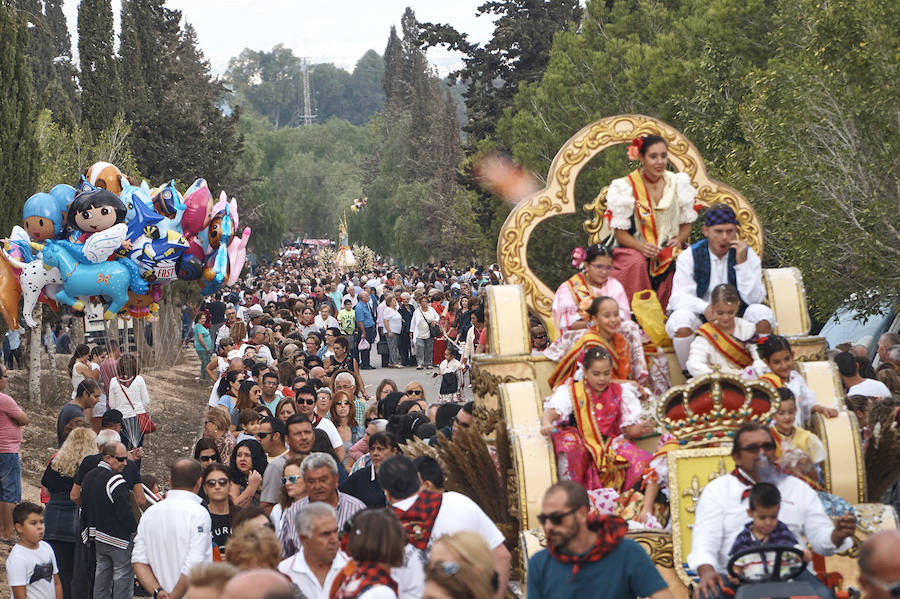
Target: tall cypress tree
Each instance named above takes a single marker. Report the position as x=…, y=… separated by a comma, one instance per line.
x=19, y=155
x=100, y=91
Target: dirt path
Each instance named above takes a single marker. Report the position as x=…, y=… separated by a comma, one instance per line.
x=177, y=405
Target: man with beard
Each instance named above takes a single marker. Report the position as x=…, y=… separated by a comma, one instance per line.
x=584, y=548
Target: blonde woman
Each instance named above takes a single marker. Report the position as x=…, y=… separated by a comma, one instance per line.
x=61, y=526
x=470, y=551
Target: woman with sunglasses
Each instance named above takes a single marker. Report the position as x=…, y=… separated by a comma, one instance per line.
x=205, y=452
x=292, y=489
x=246, y=469
x=415, y=390
x=219, y=505
x=343, y=415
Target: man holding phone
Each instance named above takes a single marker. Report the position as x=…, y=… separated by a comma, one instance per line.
x=719, y=258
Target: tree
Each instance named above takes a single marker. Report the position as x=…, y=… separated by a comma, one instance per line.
x=99, y=79
x=269, y=82
x=19, y=154
x=823, y=131
x=517, y=52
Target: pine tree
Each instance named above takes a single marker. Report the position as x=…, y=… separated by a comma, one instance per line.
x=100, y=85
x=19, y=154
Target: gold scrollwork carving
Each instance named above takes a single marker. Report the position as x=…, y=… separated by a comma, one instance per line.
x=486, y=383
x=559, y=197
x=658, y=546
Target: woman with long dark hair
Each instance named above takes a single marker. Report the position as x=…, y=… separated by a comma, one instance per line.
x=246, y=469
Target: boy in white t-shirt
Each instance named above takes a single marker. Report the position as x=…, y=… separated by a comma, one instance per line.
x=31, y=566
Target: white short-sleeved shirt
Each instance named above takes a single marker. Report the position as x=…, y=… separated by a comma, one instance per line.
x=870, y=388
x=33, y=569
x=333, y=435
x=561, y=402
x=296, y=568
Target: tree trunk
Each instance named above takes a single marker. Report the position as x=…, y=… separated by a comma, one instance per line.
x=77, y=333
x=34, y=359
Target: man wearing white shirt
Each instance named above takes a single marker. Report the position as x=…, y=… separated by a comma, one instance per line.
x=400, y=480
x=720, y=258
x=174, y=535
x=314, y=568
x=722, y=514
x=848, y=368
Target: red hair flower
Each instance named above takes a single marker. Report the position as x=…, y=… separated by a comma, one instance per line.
x=634, y=149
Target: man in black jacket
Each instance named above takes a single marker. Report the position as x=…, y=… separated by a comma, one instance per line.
x=108, y=523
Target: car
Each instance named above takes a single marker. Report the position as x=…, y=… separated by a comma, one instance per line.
x=847, y=324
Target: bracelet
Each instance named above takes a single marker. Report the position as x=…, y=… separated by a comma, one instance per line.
x=156, y=592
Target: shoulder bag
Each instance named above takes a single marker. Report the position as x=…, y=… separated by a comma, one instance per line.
x=145, y=423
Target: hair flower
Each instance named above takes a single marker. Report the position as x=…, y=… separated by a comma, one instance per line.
x=634, y=149
x=578, y=256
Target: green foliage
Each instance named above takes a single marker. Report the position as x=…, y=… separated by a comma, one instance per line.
x=301, y=179
x=19, y=154
x=68, y=152
x=824, y=135
x=271, y=84
x=793, y=102
x=99, y=77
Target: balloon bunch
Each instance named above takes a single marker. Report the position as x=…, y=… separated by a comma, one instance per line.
x=118, y=241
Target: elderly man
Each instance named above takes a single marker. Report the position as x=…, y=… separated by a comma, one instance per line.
x=365, y=328
x=347, y=382
x=319, y=471
x=314, y=569
x=106, y=519
x=160, y=564
x=879, y=565
x=225, y=331
x=722, y=513
x=584, y=548
x=720, y=258
x=885, y=343
x=257, y=338
x=447, y=513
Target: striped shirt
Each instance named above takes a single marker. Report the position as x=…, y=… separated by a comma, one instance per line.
x=347, y=505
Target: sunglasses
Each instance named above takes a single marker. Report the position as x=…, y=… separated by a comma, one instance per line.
x=207, y=458
x=216, y=482
x=768, y=446
x=118, y=459
x=555, y=518
x=306, y=401
x=290, y=479
x=414, y=392
x=342, y=403
x=262, y=435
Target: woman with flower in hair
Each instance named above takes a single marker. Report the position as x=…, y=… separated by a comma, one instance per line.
x=650, y=213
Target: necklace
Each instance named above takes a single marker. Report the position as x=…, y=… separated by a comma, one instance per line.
x=650, y=179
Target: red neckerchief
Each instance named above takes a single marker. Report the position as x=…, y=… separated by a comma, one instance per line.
x=745, y=480
x=419, y=519
x=610, y=531
x=369, y=574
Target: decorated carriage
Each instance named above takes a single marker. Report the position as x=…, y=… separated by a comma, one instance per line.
x=510, y=381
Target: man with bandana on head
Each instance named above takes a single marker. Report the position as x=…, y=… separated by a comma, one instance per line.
x=722, y=257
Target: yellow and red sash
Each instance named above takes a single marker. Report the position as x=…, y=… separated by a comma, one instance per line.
x=618, y=352
x=727, y=345
x=580, y=288
x=773, y=378
x=610, y=465
x=646, y=220
x=800, y=439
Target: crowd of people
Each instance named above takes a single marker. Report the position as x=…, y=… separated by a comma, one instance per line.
x=298, y=486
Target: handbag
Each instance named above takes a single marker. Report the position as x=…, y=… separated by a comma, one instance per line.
x=434, y=331
x=382, y=347
x=449, y=383
x=145, y=423
x=363, y=345
x=649, y=314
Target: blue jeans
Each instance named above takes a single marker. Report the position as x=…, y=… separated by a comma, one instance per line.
x=10, y=478
x=114, y=576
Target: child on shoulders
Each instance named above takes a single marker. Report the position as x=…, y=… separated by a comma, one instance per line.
x=725, y=340
x=31, y=566
x=764, y=528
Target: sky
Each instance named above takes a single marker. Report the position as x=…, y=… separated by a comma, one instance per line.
x=340, y=31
